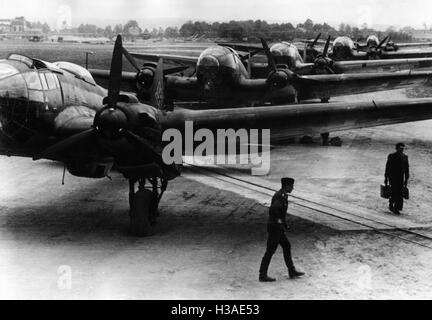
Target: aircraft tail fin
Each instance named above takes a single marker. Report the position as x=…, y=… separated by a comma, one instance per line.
x=158, y=88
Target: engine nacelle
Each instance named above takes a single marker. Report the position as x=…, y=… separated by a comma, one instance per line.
x=90, y=168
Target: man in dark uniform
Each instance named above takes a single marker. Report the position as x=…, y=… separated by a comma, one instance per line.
x=397, y=173
x=276, y=228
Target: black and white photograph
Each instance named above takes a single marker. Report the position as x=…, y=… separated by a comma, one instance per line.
x=215, y=150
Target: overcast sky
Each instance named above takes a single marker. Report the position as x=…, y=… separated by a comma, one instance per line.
x=152, y=12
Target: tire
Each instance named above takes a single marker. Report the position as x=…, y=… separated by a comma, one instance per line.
x=140, y=213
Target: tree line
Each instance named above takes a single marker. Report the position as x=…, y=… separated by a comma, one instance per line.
x=253, y=30
x=249, y=30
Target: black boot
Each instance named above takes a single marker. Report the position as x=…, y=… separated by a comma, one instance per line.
x=266, y=278
x=293, y=273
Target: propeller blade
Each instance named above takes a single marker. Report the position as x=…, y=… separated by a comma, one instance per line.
x=248, y=55
x=382, y=42
x=326, y=47
x=157, y=92
x=329, y=70
x=305, y=53
x=130, y=59
x=115, y=73
x=249, y=65
x=316, y=39
x=270, y=58
x=69, y=142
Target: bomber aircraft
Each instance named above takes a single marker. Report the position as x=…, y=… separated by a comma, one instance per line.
x=222, y=80
x=389, y=45
x=285, y=53
x=345, y=49
x=56, y=111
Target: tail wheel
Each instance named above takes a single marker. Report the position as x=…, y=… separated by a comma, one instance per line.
x=141, y=213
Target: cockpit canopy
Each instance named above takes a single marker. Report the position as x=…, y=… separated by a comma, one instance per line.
x=217, y=65
x=76, y=70
x=224, y=56
x=372, y=41
x=343, y=42
x=59, y=67
x=286, y=53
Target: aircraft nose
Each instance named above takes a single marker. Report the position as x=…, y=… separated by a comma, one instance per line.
x=208, y=62
x=14, y=103
x=207, y=72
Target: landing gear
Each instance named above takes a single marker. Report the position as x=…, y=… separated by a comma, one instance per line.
x=144, y=205
x=325, y=138
x=335, y=141
x=306, y=140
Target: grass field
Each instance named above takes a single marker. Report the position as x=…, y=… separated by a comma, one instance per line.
x=101, y=59
x=72, y=52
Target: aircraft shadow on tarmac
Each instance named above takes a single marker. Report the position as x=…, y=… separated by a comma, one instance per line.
x=95, y=212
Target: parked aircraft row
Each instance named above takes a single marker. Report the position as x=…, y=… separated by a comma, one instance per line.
x=58, y=111
x=224, y=78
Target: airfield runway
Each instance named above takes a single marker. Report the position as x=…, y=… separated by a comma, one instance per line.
x=209, y=241
x=71, y=241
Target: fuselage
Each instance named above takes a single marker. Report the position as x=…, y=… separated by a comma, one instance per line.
x=221, y=80
x=35, y=95
x=219, y=67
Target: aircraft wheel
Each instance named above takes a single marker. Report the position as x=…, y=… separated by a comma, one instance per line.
x=336, y=141
x=306, y=140
x=141, y=213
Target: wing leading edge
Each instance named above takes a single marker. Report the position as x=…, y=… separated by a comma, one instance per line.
x=294, y=120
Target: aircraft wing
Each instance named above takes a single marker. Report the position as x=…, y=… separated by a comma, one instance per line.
x=322, y=86
x=407, y=53
x=384, y=64
x=414, y=44
x=241, y=46
x=104, y=74
x=310, y=41
x=177, y=59
x=300, y=119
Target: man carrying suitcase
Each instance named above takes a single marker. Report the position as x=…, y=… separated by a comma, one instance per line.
x=397, y=174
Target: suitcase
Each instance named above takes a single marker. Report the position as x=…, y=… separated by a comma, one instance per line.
x=385, y=191
x=405, y=193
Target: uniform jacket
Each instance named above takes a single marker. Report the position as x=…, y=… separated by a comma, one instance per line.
x=278, y=209
x=397, y=168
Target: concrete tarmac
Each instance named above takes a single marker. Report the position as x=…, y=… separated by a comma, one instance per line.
x=72, y=241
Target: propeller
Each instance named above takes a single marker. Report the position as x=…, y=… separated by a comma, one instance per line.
x=310, y=46
x=145, y=75
x=374, y=52
x=277, y=77
x=270, y=58
x=315, y=40
x=382, y=42
x=305, y=52
x=115, y=78
x=323, y=61
x=115, y=121
x=326, y=47
x=249, y=64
